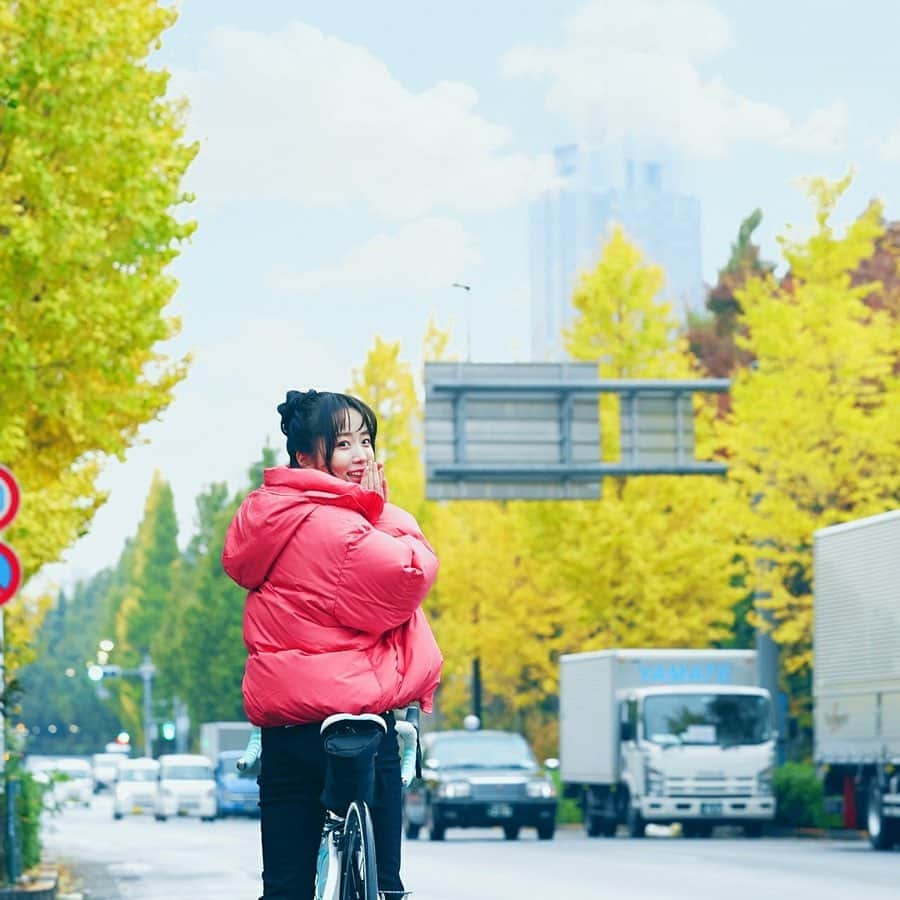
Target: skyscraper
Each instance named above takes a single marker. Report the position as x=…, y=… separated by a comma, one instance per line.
x=597, y=189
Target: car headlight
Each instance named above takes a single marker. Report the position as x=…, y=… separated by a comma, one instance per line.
x=453, y=790
x=540, y=789
x=656, y=781
x=764, y=781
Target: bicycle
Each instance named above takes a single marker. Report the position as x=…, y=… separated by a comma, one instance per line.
x=346, y=867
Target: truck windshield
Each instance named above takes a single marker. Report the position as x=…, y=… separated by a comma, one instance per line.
x=724, y=719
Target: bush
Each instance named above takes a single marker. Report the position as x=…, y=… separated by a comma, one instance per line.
x=568, y=812
x=800, y=797
x=29, y=804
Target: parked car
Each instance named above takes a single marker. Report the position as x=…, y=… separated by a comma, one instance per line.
x=186, y=787
x=135, y=788
x=73, y=781
x=477, y=779
x=105, y=767
x=237, y=793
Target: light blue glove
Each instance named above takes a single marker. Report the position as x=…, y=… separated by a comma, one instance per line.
x=409, y=739
x=251, y=752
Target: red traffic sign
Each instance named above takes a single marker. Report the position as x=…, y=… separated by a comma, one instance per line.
x=10, y=495
x=10, y=573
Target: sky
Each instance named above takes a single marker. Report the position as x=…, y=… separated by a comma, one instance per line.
x=356, y=159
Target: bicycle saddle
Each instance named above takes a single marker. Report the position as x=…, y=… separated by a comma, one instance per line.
x=350, y=719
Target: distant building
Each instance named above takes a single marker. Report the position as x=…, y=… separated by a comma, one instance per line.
x=597, y=189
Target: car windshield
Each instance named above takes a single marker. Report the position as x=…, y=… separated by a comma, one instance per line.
x=73, y=771
x=482, y=751
x=186, y=773
x=137, y=775
x=107, y=759
x=724, y=719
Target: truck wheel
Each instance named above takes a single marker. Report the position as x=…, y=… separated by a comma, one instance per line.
x=593, y=826
x=637, y=827
x=696, y=829
x=546, y=832
x=511, y=832
x=882, y=832
x=753, y=829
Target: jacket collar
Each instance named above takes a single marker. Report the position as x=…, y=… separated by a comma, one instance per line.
x=320, y=487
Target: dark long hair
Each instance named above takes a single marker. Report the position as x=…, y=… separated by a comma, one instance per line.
x=312, y=420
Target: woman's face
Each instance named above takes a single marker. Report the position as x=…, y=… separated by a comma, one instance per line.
x=352, y=449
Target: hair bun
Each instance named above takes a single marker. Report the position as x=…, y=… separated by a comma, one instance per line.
x=294, y=402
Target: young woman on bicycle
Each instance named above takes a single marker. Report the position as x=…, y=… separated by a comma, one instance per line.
x=333, y=623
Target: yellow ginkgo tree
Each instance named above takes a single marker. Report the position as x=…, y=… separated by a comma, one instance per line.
x=651, y=564
x=91, y=160
x=814, y=432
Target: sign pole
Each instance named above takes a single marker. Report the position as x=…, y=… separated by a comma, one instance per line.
x=10, y=581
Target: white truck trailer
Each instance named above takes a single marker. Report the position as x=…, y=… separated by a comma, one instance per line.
x=666, y=736
x=856, y=683
x=218, y=736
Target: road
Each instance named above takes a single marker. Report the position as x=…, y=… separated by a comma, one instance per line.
x=184, y=859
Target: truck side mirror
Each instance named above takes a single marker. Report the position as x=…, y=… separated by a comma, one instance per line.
x=626, y=731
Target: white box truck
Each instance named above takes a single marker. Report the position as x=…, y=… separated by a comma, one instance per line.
x=856, y=681
x=218, y=736
x=666, y=736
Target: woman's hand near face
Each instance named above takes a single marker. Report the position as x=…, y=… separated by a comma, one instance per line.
x=384, y=484
x=373, y=478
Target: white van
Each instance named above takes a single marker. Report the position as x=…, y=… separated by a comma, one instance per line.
x=73, y=781
x=106, y=767
x=186, y=787
x=135, y=788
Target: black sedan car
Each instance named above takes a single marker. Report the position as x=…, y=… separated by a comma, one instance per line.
x=477, y=779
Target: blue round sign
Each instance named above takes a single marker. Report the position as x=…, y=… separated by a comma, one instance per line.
x=10, y=573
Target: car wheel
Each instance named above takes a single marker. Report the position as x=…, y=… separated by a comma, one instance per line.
x=412, y=831
x=436, y=828
x=160, y=818
x=511, y=832
x=546, y=832
x=117, y=815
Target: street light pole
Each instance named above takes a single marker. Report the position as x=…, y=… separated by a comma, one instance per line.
x=467, y=288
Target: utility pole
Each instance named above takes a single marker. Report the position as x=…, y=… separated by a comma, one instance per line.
x=147, y=670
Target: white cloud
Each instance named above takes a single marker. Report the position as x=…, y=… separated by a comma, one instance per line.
x=423, y=255
x=222, y=415
x=300, y=115
x=632, y=69
x=888, y=150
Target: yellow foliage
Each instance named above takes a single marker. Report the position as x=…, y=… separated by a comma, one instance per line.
x=91, y=158
x=814, y=436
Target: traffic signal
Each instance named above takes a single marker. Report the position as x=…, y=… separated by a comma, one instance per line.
x=168, y=731
x=98, y=672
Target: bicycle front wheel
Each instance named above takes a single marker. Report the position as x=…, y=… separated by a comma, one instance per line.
x=359, y=876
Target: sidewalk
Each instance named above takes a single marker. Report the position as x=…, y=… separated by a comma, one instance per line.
x=84, y=880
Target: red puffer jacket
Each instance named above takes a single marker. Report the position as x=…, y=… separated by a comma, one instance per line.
x=333, y=621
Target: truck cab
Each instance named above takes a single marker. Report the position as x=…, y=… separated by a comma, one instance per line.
x=665, y=736
x=700, y=755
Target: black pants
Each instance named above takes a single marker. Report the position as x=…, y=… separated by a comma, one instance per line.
x=292, y=773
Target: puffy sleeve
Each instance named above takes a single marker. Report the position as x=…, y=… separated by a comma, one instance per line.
x=387, y=571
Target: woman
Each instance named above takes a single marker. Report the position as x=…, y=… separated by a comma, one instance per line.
x=336, y=577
